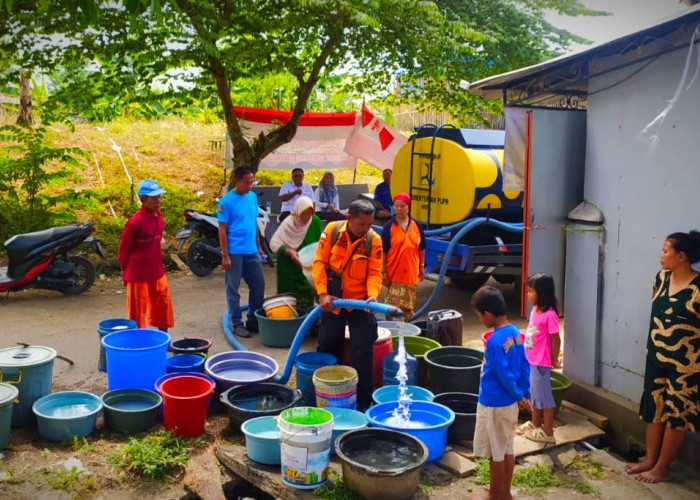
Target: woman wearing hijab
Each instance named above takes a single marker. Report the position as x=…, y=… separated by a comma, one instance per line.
x=298, y=230
x=327, y=200
x=404, y=256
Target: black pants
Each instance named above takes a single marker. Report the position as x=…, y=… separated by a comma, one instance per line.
x=363, y=333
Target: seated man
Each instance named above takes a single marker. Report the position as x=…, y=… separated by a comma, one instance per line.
x=291, y=191
x=382, y=197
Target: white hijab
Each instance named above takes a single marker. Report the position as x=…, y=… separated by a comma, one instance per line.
x=292, y=230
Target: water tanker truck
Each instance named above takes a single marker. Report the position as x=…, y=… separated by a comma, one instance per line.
x=455, y=179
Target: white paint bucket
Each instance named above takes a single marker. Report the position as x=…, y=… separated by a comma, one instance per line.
x=305, y=445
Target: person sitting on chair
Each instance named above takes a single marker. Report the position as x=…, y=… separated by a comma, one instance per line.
x=291, y=191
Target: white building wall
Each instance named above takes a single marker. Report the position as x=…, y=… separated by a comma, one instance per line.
x=647, y=187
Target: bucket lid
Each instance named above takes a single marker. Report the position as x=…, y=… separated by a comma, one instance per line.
x=8, y=393
x=382, y=333
x=26, y=356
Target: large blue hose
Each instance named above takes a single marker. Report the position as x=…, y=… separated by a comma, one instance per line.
x=465, y=228
x=375, y=307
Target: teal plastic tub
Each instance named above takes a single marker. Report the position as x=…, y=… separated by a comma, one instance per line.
x=62, y=415
x=391, y=393
x=345, y=420
x=262, y=442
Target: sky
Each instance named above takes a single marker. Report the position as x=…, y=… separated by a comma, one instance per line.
x=628, y=16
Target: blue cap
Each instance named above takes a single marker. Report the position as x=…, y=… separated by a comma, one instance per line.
x=150, y=187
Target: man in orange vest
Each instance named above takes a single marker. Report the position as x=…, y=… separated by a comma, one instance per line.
x=348, y=265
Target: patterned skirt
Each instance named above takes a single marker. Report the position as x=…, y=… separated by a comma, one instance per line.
x=403, y=296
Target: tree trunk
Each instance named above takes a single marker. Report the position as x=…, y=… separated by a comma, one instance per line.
x=25, y=101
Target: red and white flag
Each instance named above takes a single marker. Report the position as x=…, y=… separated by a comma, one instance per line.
x=374, y=141
x=318, y=144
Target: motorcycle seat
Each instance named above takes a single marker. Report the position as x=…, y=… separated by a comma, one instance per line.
x=20, y=245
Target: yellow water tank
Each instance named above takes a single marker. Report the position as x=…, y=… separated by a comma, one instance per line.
x=465, y=181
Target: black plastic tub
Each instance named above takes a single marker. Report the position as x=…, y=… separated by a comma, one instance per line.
x=244, y=402
x=381, y=464
x=454, y=369
x=464, y=406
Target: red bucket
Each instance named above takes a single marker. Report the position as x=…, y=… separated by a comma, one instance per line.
x=185, y=401
x=382, y=346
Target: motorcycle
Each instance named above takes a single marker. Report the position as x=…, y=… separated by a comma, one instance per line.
x=40, y=260
x=204, y=253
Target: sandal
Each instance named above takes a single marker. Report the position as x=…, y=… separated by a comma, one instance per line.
x=538, y=435
x=523, y=428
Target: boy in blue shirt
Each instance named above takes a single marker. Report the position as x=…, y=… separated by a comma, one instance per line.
x=503, y=389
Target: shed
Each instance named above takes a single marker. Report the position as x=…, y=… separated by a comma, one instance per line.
x=639, y=147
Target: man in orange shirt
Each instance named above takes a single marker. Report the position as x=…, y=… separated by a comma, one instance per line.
x=346, y=269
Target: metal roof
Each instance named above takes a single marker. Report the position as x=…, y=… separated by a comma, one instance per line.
x=562, y=82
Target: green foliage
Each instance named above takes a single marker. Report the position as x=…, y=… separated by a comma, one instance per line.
x=482, y=473
x=80, y=444
x=338, y=490
x=34, y=181
x=72, y=479
x=536, y=479
x=155, y=455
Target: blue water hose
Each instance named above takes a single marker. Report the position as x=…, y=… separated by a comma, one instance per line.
x=465, y=228
x=283, y=378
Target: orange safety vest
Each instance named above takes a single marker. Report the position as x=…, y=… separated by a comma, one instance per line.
x=361, y=274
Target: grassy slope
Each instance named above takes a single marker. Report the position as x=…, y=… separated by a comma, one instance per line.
x=177, y=153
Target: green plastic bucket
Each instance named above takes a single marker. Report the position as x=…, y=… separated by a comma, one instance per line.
x=305, y=443
x=417, y=347
x=8, y=395
x=560, y=384
x=30, y=370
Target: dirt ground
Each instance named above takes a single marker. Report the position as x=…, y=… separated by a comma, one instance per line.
x=30, y=466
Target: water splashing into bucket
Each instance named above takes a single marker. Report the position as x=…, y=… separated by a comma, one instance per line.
x=402, y=413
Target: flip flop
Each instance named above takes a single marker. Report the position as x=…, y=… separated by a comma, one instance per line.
x=523, y=428
x=538, y=435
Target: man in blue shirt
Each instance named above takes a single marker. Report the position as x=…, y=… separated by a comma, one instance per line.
x=503, y=389
x=240, y=250
x=382, y=196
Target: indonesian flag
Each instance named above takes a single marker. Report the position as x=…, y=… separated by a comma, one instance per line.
x=374, y=141
x=318, y=144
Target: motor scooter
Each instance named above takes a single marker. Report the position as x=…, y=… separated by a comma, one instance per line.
x=204, y=253
x=40, y=260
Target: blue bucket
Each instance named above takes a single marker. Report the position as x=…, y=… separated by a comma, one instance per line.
x=390, y=393
x=181, y=363
x=306, y=364
x=62, y=415
x=135, y=358
x=262, y=441
x=344, y=420
x=8, y=394
x=429, y=422
x=106, y=327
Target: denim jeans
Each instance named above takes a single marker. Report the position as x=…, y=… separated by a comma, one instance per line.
x=248, y=267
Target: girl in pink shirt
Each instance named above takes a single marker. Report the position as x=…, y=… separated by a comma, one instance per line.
x=542, y=343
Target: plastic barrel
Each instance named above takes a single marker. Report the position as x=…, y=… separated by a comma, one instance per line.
x=391, y=366
x=306, y=364
x=305, y=441
x=418, y=346
x=135, y=358
x=185, y=402
x=30, y=370
x=106, y=327
x=336, y=386
x=454, y=369
x=8, y=394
